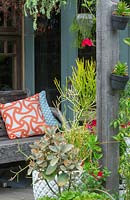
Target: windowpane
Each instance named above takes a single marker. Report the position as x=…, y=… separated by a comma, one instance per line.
x=1, y=46
x=6, y=69
x=10, y=46
x=1, y=18
x=10, y=17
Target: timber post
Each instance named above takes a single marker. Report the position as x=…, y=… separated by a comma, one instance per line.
x=107, y=100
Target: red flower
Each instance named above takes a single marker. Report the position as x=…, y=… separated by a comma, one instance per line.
x=123, y=126
x=91, y=126
x=94, y=122
x=100, y=174
x=87, y=42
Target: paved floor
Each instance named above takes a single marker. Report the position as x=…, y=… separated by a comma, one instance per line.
x=21, y=190
x=16, y=194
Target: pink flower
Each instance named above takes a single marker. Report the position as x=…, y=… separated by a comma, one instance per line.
x=87, y=42
x=88, y=126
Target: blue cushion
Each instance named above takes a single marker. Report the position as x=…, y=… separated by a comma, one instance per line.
x=46, y=111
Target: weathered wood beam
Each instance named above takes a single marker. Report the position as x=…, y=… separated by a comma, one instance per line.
x=107, y=100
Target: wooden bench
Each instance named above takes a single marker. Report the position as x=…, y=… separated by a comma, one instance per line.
x=9, y=148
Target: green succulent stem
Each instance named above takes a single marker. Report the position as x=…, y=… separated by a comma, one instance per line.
x=50, y=187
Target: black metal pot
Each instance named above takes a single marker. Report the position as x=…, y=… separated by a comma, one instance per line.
x=118, y=82
x=119, y=22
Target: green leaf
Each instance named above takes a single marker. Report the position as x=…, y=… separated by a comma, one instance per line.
x=115, y=124
x=67, y=148
x=38, y=162
x=54, y=161
x=71, y=167
x=53, y=148
x=50, y=157
x=62, y=179
x=50, y=169
x=49, y=177
x=63, y=168
x=127, y=41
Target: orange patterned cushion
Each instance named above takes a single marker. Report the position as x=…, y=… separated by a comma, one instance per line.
x=23, y=118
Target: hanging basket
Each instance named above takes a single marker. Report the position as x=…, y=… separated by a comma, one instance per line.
x=119, y=22
x=85, y=21
x=118, y=82
x=40, y=187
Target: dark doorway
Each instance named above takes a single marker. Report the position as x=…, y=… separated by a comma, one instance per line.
x=48, y=59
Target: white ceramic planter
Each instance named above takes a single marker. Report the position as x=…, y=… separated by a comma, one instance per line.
x=40, y=187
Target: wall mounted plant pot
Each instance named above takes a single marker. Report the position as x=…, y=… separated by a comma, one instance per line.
x=87, y=52
x=119, y=22
x=118, y=82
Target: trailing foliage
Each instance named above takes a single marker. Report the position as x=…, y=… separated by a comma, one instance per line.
x=123, y=124
x=36, y=8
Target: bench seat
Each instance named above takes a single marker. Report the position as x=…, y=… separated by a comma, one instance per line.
x=9, y=149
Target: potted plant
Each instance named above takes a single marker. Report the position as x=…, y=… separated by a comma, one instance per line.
x=120, y=16
x=84, y=23
x=119, y=76
x=58, y=170
x=54, y=163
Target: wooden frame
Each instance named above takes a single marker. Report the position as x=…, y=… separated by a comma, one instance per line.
x=13, y=33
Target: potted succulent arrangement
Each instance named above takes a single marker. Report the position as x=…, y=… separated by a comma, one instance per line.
x=120, y=16
x=65, y=163
x=119, y=76
x=55, y=164
x=59, y=170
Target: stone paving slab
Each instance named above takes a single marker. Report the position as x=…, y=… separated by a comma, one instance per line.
x=16, y=194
